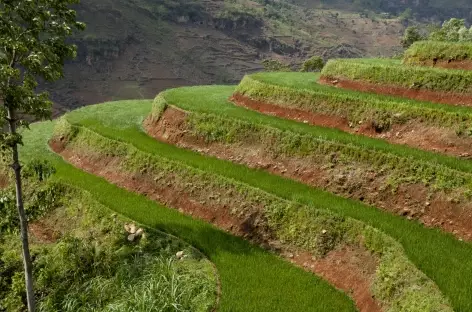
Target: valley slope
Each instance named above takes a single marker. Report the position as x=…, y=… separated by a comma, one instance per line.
x=133, y=49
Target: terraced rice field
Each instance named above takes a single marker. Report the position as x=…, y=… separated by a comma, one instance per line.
x=305, y=197
x=440, y=54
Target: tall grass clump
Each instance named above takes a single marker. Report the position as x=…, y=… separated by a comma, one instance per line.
x=88, y=263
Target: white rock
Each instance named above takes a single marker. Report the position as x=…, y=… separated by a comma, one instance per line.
x=179, y=254
x=127, y=227
x=139, y=232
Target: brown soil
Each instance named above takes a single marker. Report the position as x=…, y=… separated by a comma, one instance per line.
x=42, y=231
x=416, y=94
x=355, y=278
x=351, y=269
x=4, y=181
x=436, y=139
x=292, y=113
x=140, y=183
x=448, y=211
x=448, y=64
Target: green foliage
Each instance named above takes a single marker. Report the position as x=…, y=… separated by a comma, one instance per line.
x=452, y=30
x=38, y=169
x=298, y=225
x=434, y=79
x=33, y=39
x=428, y=52
x=313, y=64
x=302, y=91
x=410, y=36
x=273, y=65
x=406, y=15
x=42, y=197
x=93, y=267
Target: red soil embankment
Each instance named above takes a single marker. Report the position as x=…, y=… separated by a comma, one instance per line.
x=413, y=133
x=415, y=94
x=350, y=269
x=446, y=64
x=358, y=181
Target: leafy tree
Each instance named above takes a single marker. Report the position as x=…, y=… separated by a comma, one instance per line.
x=275, y=66
x=313, y=64
x=33, y=47
x=410, y=36
x=449, y=31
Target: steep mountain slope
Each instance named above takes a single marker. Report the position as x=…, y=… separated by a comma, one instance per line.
x=135, y=48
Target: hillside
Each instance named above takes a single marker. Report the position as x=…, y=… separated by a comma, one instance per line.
x=345, y=190
x=133, y=49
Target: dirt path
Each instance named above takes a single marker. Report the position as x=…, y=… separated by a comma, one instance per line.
x=350, y=269
x=415, y=94
x=412, y=133
x=360, y=182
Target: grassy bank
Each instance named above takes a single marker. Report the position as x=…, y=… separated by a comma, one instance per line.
x=251, y=279
x=302, y=91
x=409, y=77
x=441, y=257
x=432, y=51
x=397, y=283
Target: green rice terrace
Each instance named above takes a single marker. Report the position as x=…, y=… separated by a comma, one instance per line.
x=349, y=190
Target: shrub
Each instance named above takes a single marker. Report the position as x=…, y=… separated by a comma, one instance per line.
x=452, y=30
x=313, y=64
x=411, y=36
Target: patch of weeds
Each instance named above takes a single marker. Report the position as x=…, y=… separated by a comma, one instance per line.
x=93, y=266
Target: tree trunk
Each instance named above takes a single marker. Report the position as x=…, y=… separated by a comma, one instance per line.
x=28, y=265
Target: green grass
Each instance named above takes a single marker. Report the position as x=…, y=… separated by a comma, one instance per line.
x=423, y=51
x=309, y=81
x=414, y=77
x=251, y=279
x=447, y=261
x=302, y=91
x=212, y=100
x=93, y=267
x=315, y=231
